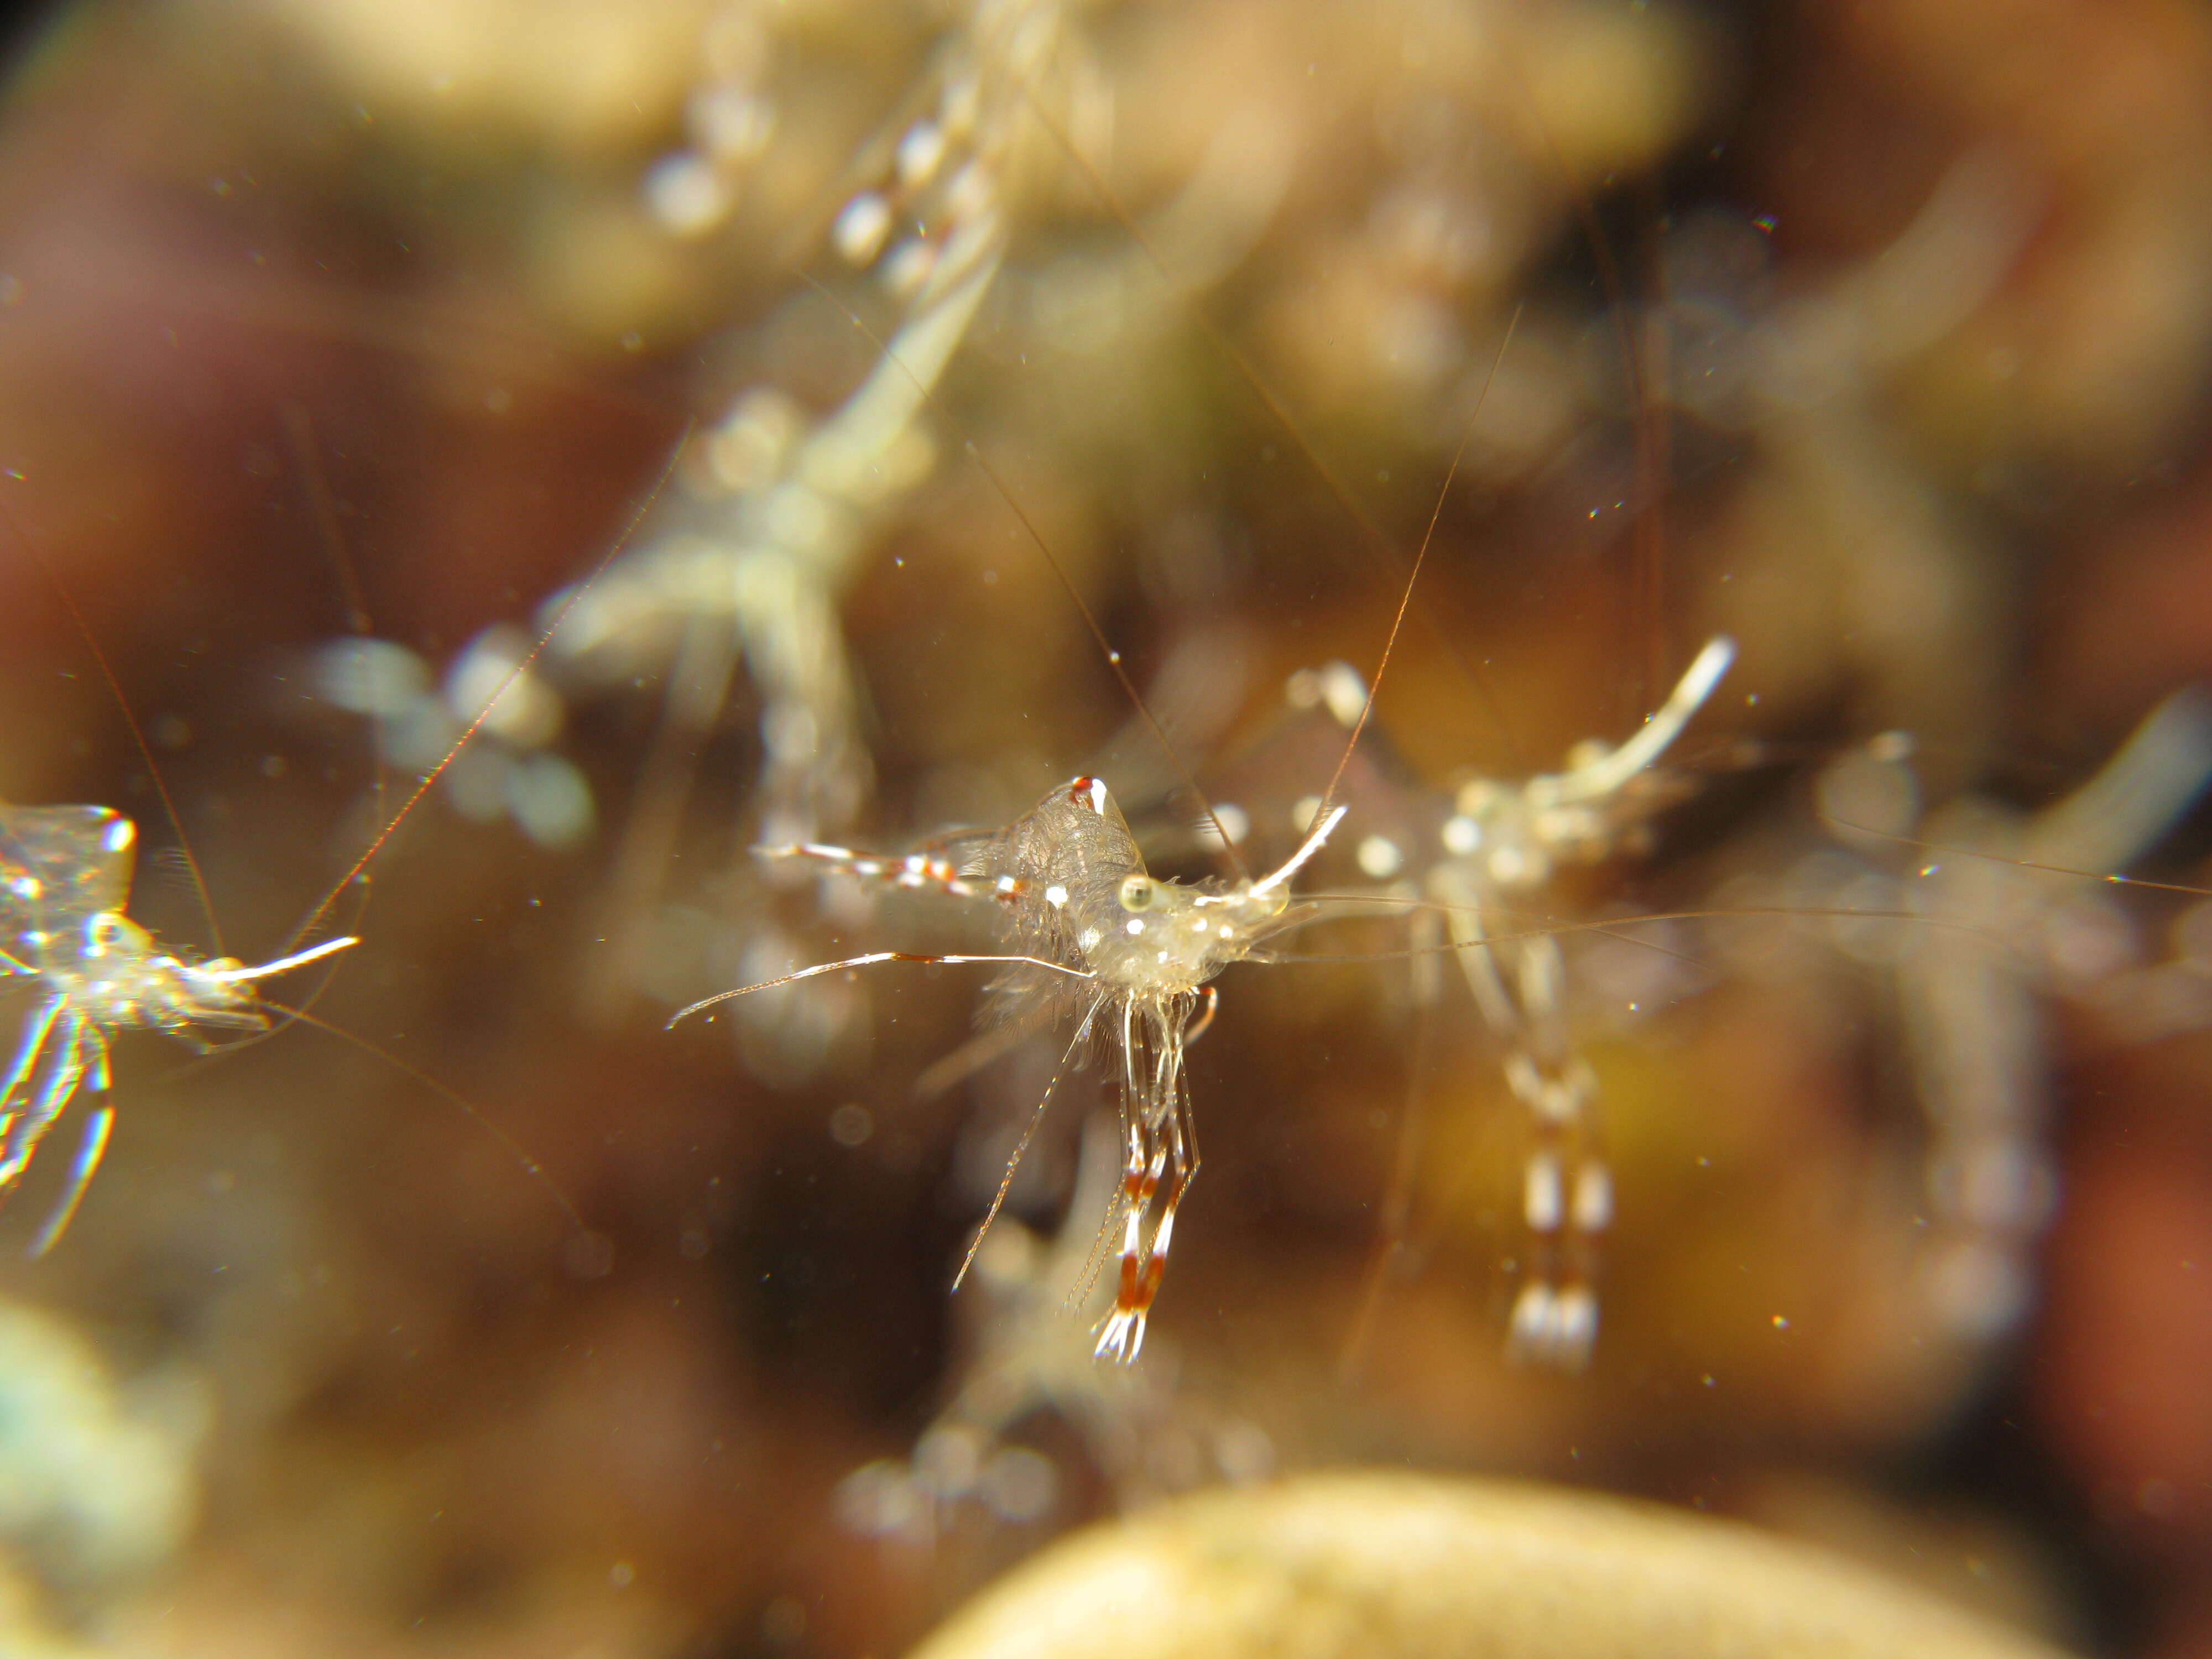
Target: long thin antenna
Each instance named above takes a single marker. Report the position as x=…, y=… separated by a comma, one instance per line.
x=453, y=1097
x=867, y=961
x=1647, y=535
x=1420, y=557
x=322, y=505
x=1021, y=1146
x=1615, y=928
x=1944, y=850
x=1649, y=444
x=300, y=432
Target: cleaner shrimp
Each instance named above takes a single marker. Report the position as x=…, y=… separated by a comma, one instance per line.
x=1098, y=939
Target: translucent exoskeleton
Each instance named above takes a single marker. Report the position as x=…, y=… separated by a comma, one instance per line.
x=1996, y=923
x=1475, y=863
x=1498, y=848
x=64, y=881
x=1094, y=938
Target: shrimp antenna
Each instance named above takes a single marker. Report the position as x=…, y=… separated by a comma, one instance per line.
x=1420, y=557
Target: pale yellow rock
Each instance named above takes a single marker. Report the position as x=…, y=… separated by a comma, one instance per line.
x=1377, y=1565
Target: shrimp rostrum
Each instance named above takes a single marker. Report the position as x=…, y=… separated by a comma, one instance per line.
x=1095, y=939
x=65, y=879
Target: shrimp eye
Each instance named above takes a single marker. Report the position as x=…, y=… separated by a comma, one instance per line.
x=1137, y=892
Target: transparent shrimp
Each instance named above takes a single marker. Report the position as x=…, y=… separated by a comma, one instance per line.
x=1499, y=847
x=1470, y=869
x=777, y=509
x=1102, y=944
x=2007, y=928
x=1095, y=939
x=780, y=504
x=64, y=881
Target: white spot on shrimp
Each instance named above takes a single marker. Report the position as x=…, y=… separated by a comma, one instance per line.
x=686, y=194
x=969, y=193
x=861, y=227
x=1593, y=1201
x=1345, y=693
x=1542, y=1200
x=907, y=269
x=920, y=154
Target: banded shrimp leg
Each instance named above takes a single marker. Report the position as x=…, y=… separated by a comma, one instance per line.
x=1582, y=814
x=1973, y=912
x=1021, y=1358
x=1501, y=845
